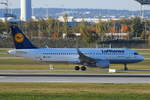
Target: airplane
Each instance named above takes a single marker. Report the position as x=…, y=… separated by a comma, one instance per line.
x=82, y=57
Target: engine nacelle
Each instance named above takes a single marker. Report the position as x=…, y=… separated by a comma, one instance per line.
x=103, y=64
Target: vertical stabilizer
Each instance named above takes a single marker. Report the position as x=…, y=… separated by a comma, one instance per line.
x=20, y=40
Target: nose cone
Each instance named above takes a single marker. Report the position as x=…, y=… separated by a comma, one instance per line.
x=141, y=58
x=12, y=52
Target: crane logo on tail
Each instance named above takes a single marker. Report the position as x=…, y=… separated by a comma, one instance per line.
x=19, y=38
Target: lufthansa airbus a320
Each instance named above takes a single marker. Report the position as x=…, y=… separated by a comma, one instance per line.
x=82, y=57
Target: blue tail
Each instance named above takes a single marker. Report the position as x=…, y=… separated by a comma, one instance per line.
x=20, y=40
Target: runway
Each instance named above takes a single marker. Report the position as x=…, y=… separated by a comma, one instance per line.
x=77, y=78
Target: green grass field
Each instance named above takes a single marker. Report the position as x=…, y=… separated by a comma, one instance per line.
x=82, y=96
x=6, y=63
x=73, y=91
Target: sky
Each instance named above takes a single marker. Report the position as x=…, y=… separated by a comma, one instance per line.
x=102, y=4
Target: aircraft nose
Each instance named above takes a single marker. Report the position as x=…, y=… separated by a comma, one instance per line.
x=141, y=58
x=12, y=52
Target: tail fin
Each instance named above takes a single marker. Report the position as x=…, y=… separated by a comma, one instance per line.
x=20, y=40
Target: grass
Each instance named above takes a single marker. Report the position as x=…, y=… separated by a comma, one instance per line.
x=20, y=62
x=146, y=55
x=143, y=51
x=24, y=67
x=82, y=96
x=73, y=91
x=3, y=51
x=6, y=55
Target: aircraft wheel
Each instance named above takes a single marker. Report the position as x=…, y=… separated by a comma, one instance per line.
x=83, y=68
x=77, y=68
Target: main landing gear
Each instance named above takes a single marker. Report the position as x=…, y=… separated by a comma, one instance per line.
x=125, y=67
x=82, y=68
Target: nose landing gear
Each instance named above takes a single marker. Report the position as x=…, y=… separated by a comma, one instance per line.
x=125, y=67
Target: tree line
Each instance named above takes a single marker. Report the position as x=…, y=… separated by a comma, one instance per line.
x=90, y=32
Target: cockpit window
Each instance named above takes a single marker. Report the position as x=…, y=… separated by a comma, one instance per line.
x=136, y=53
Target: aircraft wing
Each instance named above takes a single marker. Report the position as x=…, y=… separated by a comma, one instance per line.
x=85, y=59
